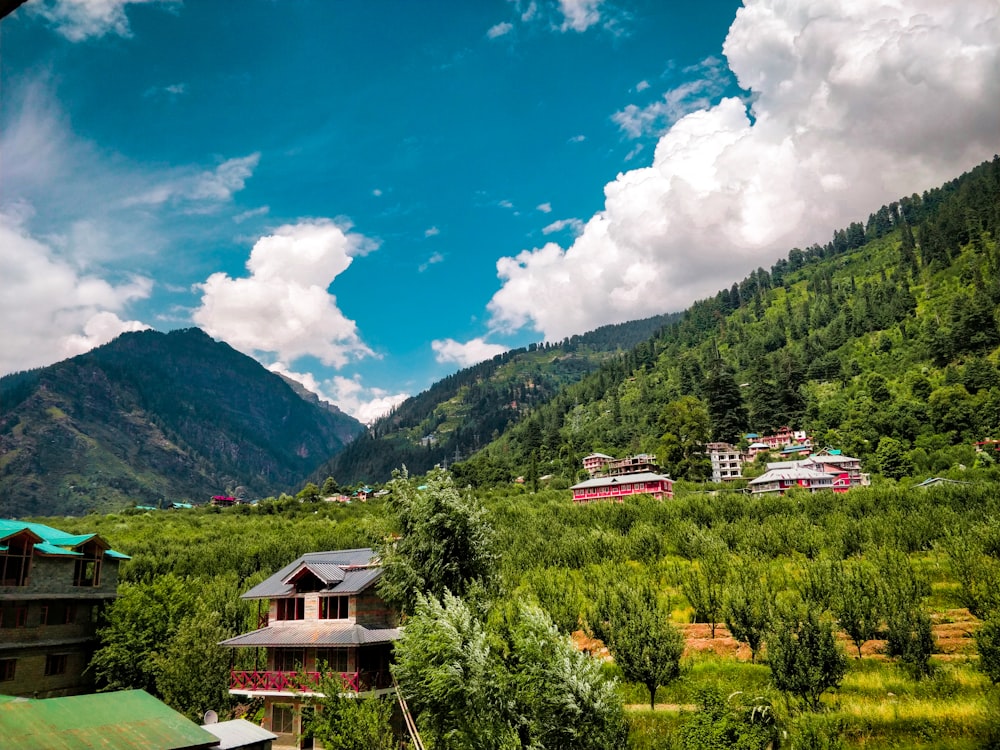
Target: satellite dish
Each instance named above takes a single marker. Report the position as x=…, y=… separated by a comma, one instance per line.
x=211, y=717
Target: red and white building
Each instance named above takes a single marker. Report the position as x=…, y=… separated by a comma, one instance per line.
x=828, y=469
x=782, y=479
x=595, y=463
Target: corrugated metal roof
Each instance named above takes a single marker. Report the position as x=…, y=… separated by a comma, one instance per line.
x=54, y=541
x=46, y=548
x=275, y=585
x=315, y=633
x=326, y=572
x=790, y=474
x=642, y=476
x=126, y=720
x=356, y=581
x=238, y=733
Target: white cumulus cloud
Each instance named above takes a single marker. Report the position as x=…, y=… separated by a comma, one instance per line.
x=499, y=30
x=50, y=310
x=467, y=354
x=853, y=105
x=284, y=306
x=78, y=20
x=365, y=404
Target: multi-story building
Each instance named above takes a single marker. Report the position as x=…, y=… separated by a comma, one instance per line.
x=595, y=462
x=53, y=586
x=781, y=479
x=621, y=477
x=726, y=461
x=828, y=469
x=323, y=617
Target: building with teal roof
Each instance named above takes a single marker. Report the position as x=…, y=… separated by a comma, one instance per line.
x=53, y=586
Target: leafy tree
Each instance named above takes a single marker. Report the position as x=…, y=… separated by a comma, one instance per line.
x=350, y=723
x=909, y=636
x=140, y=623
x=892, y=460
x=516, y=684
x=804, y=658
x=330, y=487
x=193, y=669
x=750, y=605
x=686, y=431
x=644, y=643
x=718, y=725
x=988, y=643
x=446, y=543
x=704, y=584
x=309, y=493
x=858, y=604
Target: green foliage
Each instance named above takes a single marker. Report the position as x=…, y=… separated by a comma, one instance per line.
x=138, y=624
x=858, y=602
x=988, y=644
x=686, y=430
x=722, y=725
x=351, y=723
x=192, y=670
x=704, y=582
x=515, y=684
x=804, y=658
x=908, y=627
x=749, y=608
x=446, y=544
x=644, y=643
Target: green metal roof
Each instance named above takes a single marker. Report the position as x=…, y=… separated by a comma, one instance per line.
x=47, y=548
x=127, y=720
x=54, y=541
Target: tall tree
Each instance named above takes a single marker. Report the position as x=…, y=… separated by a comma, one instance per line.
x=726, y=411
x=804, y=658
x=446, y=542
x=750, y=605
x=686, y=430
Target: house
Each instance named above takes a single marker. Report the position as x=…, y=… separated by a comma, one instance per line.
x=754, y=449
x=322, y=617
x=782, y=437
x=53, y=586
x=841, y=473
x=726, y=461
x=125, y=720
x=781, y=479
x=620, y=487
x=631, y=465
x=224, y=501
x=595, y=462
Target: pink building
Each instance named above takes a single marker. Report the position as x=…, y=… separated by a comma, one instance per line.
x=619, y=487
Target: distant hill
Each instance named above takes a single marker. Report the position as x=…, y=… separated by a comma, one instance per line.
x=463, y=412
x=884, y=342
x=154, y=417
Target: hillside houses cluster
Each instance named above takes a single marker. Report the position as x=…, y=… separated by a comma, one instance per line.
x=800, y=465
x=618, y=478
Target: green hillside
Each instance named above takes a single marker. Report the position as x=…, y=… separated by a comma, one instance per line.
x=154, y=417
x=883, y=342
x=464, y=412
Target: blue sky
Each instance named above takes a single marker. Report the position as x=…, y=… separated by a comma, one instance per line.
x=370, y=195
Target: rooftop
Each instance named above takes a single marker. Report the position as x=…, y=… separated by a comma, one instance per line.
x=342, y=572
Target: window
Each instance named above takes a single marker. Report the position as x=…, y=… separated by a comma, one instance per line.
x=14, y=616
x=281, y=719
x=88, y=572
x=335, y=659
x=7, y=669
x=58, y=613
x=55, y=664
x=16, y=561
x=334, y=607
x=291, y=609
x=289, y=659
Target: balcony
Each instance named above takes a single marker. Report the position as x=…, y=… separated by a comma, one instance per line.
x=249, y=682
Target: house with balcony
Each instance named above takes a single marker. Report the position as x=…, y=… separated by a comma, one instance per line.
x=53, y=586
x=619, y=487
x=319, y=616
x=780, y=480
x=827, y=469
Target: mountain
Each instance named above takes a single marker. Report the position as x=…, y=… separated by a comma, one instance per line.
x=884, y=342
x=154, y=417
x=463, y=412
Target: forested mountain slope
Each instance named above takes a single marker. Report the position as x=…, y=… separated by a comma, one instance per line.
x=883, y=342
x=156, y=417
x=463, y=412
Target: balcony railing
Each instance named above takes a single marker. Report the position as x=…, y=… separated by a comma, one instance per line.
x=304, y=682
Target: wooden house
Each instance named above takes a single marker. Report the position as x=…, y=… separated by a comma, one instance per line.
x=323, y=617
